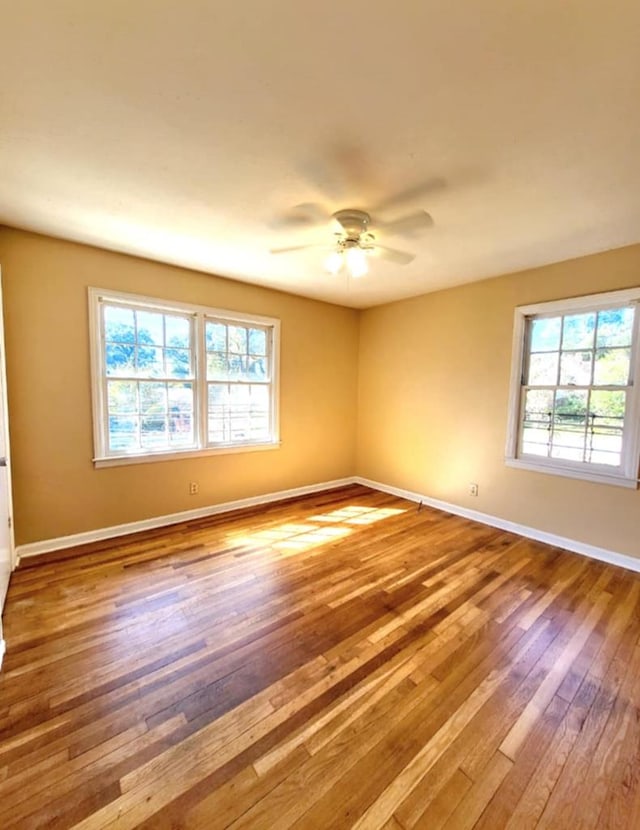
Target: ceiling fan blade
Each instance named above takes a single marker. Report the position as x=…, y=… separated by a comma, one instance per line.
x=323, y=176
x=410, y=194
x=420, y=220
x=291, y=248
x=303, y=216
x=342, y=168
x=392, y=255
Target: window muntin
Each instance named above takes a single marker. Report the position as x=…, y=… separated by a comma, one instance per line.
x=574, y=408
x=177, y=379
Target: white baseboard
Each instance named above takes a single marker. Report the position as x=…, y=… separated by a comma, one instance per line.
x=622, y=560
x=61, y=542
x=602, y=554
x=3, y=648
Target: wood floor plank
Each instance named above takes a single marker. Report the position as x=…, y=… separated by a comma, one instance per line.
x=472, y=805
x=439, y=810
x=343, y=660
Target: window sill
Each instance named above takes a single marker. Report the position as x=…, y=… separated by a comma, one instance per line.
x=124, y=460
x=570, y=472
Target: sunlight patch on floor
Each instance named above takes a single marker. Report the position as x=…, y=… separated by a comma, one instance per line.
x=358, y=515
x=290, y=538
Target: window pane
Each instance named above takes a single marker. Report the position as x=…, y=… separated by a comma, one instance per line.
x=153, y=432
x=575, y=368
x=612, y=367
x=535, y=446
x=218, y=396
x=239, y=394
x=259, y=399
x=177, y=363
x=256, y=368
x=216, y=337
x=122, y=397
x=217, y=366
x=120, y=360
x=150, y=362
x=237, y=367
x=569, y=426
x=259, y=429
x=568, y=445
x=119, y=324
x=218, y=406
x=538, y=406
x=607, y=411
x=260, y=413
x=257, y=341
x=615, y=327
x=180, y=397
x=180, y=400
x=181, y=439
x=239, y=429
x=238, y=339
x=178, y=331
x=150, y=328
x=123, y=434
x=612, y=459
x=535, y=440
x=153, y=399
x=217, y=434
x=605, y=447
x=543, y=369
x=608, y=405
x=238, y=412
x=545, y=334
x=571, y=407
x=568, y=439
x=578, y=331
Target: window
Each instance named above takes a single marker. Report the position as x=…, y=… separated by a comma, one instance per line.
x=574, y=406
x=174, y=379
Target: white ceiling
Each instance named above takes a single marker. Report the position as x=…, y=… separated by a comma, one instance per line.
x=180, y=130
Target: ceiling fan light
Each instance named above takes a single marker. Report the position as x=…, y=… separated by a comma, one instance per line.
x=333, y=263
x=356, y=262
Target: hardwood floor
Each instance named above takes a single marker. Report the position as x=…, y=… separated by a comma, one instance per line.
x=339, y=661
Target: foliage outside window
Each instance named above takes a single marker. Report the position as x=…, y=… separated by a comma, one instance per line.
x=574, y=407
x=171, y=378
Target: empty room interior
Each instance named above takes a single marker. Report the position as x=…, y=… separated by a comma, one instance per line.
x=320, y=415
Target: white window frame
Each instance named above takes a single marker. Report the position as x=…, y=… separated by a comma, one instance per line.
x=201, y=314
x=627, y=474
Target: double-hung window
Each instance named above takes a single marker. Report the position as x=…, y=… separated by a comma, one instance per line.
x=575, y=397
x=171, y=379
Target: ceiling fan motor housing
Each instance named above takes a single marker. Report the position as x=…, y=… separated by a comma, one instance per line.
x=355, y=223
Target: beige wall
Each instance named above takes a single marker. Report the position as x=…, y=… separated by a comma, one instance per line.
x=433, y=393
x=425, y=408
x=56, y=489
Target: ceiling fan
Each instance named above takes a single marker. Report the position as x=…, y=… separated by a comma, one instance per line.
x=353, y=240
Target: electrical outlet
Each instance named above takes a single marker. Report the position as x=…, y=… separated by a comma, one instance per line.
x=473, y=489
x=194, y=487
